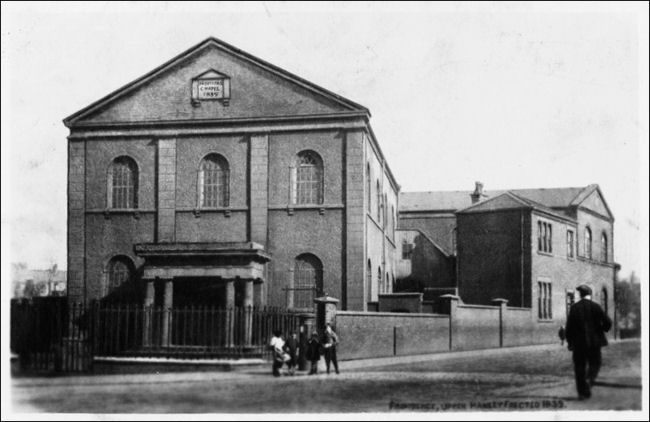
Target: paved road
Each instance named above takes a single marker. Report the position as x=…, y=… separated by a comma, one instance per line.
x=527, y=378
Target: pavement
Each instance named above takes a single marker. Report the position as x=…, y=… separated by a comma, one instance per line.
x=517, y=378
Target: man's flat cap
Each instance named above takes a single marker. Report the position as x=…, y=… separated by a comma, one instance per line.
x=584, y=289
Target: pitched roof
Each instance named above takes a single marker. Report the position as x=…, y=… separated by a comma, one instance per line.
x=427, y=238
x=510, y=200
x=553, y=197
x=434, y=201
x=439, y=201
x=214, y=42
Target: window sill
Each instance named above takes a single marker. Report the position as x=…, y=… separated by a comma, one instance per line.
x=372, y=218
x=120, y=210
x=545, y=321
x=306, y=206
x=595, y=262
x=550, y=254
x=227, y=211
x=291, y=208
x=117, y=211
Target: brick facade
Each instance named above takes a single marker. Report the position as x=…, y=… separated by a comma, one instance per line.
x=271, y=117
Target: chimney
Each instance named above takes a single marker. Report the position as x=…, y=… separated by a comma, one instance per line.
x=478, y=193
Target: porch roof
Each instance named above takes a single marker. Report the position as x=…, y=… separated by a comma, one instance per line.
x=251, y=250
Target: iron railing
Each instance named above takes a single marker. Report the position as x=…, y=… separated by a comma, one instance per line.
x=66, y=338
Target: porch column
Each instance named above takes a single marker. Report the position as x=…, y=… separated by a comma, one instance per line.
x=230, y=313
x=248, y=312
x=167, y=316
x=146, y=312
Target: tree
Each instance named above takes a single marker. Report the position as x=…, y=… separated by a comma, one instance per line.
x=628, y=302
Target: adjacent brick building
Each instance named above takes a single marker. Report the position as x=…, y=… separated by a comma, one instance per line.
x=529, y=246
x=219, y=178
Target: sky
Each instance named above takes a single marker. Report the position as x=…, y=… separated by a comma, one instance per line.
x=512, y=95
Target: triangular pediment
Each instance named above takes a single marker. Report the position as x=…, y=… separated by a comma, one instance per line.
x=596, y=203
x=211, y=74
x=254, y=89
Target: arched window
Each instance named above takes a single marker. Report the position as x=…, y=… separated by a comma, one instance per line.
x=123, y=183
x=120, y=270
x=369, y=188
x=587, y=243
x=369, y=282
x=378, y=203
x=379, y=281
x=308, y=280
x=384, y=210
x=603, y=247
x=214, y=182
x=386, y=283
x=308, y=179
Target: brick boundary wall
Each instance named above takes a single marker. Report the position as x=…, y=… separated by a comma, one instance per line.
x=383, y=334
x=466, y=327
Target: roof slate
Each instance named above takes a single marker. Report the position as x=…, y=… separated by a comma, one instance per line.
x=438, y=201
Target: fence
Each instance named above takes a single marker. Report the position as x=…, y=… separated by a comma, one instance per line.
x=66, y=338
x=187, y=332
x=46, y=336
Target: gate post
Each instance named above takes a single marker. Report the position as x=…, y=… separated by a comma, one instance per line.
x=325, y=311
x=451, y=304
x=501, y=303
x=306, y=322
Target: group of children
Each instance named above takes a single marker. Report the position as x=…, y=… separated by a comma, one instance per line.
x=286, y=351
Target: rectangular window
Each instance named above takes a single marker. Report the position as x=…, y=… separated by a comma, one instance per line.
x=570, y=299
x=569, y=244
x=544, y=302
x=544, y=237
x=407, y=250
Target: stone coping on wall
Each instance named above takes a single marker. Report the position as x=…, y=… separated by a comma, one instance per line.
x=401, y=294
x=389, y=314
x=465, y=305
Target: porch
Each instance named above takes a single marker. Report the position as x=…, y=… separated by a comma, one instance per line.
x=222, y=280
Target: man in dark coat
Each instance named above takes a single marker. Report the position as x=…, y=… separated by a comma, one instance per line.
x=313, y=352
x=585, y=335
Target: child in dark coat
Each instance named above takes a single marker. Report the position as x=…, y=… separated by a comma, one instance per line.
x=291, y=347
x=313, y=352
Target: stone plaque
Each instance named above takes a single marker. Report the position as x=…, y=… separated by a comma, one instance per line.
x=210, y=89
x=211, y=86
